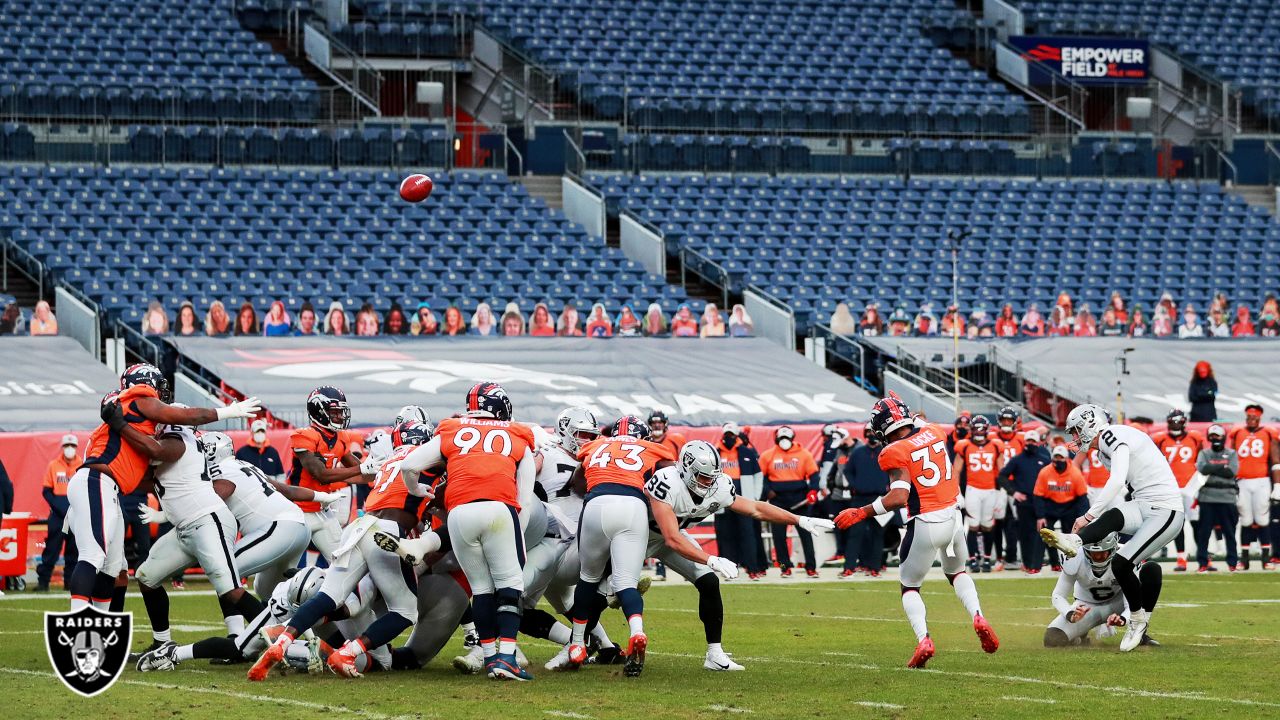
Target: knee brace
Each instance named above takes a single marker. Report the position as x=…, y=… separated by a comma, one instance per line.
x=509, y=601
x=906, y=589
x=951, y=577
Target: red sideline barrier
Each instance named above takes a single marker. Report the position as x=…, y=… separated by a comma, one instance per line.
x=27, y=455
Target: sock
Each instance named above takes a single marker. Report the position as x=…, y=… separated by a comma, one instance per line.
x=311, y=611
x=578, y=633
x=560, y=633
x=988, y=544
x=710, y=607
x=601, y=637
x=188, y=652
x=80, y=580
x=1122, y=569
x=490, y=647
x=979, y=544
x=484, y=609
x=468, y=619
x=1152, y=579
x=248, y=605
x=352, y=648
x=117, y=596
x=103, y=587
x=234, y=623
x=584, y=600
x=384, y=630
x=714, y=647
x=508, y=619
x=156, y=601
x=632, y=603
x=971, y=539
x=214, y=647
x=967, y=592
x=469, y=628
x=636, y=624
x=913, y=604
x=1109, y=522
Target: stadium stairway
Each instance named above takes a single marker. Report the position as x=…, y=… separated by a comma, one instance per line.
x=1260, y=196
x=547, y=187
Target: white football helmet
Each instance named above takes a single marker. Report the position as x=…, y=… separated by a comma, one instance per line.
x=217, y=446
x=699, y=466
x=575, y=426
x=1083, y=425
x=305, y=585
x=1101, y=552
x=412, y=412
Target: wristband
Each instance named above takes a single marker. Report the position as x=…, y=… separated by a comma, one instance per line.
x=1275, y=468
x=878, y=506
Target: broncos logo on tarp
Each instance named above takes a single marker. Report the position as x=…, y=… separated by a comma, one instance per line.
x=88, y=647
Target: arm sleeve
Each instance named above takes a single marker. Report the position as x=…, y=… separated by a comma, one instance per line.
x=425, y=457
x=1061, y=597
x=1115, y=483
x=525, y=476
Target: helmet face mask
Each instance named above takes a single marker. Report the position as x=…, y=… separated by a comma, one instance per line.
x=888, y=416
x=411, y=433
x=699, y=465
x=1176, y=422
x=1099, y=554
x=980, y=429
x=1083, y=425
x=149, y=375
x=658, y=423
x=488, y=400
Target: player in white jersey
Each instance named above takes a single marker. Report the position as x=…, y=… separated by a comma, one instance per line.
x=556, y=461
x=1098, y=600
x=204, y=532
x=1151, y=517
x=689, y=492
x=273, y=530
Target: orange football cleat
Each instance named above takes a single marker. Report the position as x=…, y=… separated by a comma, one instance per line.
x=270, y=657
x=634, y=664
x=990, y=643
x=924, y=651
x=343, y=665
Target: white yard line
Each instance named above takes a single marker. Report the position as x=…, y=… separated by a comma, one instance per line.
x=265, y=700
x=729, y=709
x=882, y=706
x=567, y=714
x=1023, y=698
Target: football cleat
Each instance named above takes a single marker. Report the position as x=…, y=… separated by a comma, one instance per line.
x=986, y=565
x=155, y=645
x=577, y=654
x=786, y=572
x=611, y=655
x=1060, y=541
x=505, y=667
x=986, y=634
x=809, y=572
x=471, y=662
x=1180, y=565
x=845, y=574
x=719, y=661
x=273, y=655
x=1149, y=641
x=315, y=662
x=873, y=573
x=162, y=658
x=635, y=655
x=343, y=664
x=1207, y=569
x=561, y=661
x=411, y=550
x=924, y=651
x=998, y=567
x=1135, y=630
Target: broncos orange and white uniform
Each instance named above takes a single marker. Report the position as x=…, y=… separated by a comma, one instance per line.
x=935, y=523
x=1253, y=448
x=615, y=516
x=1011, y=446
x=980, y=464
x=330, y=447
x=1181, y=451
x=93, y=497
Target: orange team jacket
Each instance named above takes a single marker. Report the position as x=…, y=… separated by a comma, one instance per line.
x=58, y=474
x=388, y=491
x=1060, y=487
x=788, y=470
x=330, y=449
x=481, y=456
x=1254, y=450
x=126, y=464
x=923, y=457
x=1181, y=452
x=673, y=442
x=1012, y=445
x=729, y=460
x=620, y=465
x=980, y=462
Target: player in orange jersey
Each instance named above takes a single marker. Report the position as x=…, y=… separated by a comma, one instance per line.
x=659, y=432
x=1181, y=448
x=1259, y=454
x=614, y=528
x=920, y=479
x=116, y=462
x=490, y=501
x=1009, y=433
x=980, y=457
x=391, y=510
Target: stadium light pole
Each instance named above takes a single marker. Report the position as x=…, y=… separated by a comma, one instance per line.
x=954, y=238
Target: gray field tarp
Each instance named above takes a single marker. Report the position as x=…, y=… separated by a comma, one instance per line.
x=697, y=382
x=1085, y=369
x=50, y=383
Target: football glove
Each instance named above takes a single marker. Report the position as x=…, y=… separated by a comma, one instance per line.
x=242, y=409
x=152, y=516
x=371, y=466
x=326, y=499
x=850, y=517
x=111, y=413
x=1275, y=492
x=726, y=569
x=815, y=525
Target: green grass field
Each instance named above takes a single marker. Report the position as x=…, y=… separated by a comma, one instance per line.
x=812, y=649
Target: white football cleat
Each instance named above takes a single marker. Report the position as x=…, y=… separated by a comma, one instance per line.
x=315, y=663
x=1066, y=543
x=411, y=550
x=521, y=660
x=471, y=662
x=561, y=661
x=719, y=661
x=160, y=659
x=1137, y=627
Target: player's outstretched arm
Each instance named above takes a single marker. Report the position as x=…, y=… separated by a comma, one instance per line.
x=154, y=449
x=425, y=457
x=157, y=410
x=893, y=500
x=766, y=512
x=1061, y=593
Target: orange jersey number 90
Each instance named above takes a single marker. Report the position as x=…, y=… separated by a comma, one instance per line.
x=930, y=472
x=631, y=461
x=489, y=441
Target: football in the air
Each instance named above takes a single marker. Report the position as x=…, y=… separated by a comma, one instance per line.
x=416, y=188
